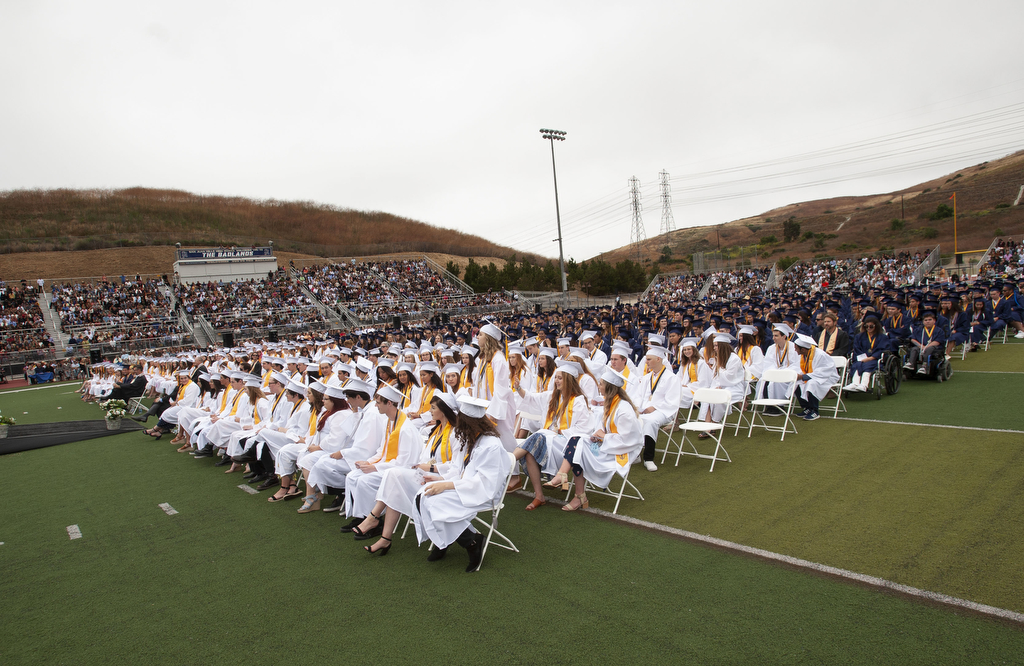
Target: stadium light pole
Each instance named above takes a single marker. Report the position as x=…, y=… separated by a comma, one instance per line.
x=552, y=136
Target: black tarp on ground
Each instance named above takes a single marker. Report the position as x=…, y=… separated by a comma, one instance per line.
x=41, y=435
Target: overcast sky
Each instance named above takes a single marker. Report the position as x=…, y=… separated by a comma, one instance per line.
x=432, y=110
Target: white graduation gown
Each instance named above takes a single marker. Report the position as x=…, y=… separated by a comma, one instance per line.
x=600, y=461
x=443, y=517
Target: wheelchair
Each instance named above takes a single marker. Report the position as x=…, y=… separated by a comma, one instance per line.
x=888, y=376
x=940, y=371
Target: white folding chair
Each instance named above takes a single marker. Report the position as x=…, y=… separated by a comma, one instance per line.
x=708, y=397
x=775, y=376
x=842, y=365
x=742, y=417
x=673, y=424
x=627, y=485
x=135, y=405
x=490, y=528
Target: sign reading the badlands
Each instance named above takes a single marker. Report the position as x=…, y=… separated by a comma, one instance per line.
x=222, y=253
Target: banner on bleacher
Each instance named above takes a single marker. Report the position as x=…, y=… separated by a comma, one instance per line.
x=221, y=253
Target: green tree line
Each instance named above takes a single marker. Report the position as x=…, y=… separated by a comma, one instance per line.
x=595, y=277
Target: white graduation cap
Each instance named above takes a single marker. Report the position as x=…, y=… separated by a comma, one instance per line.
x=614, y=378
x=491, y=330
x=785, y=328
x=473, y=407
x=802, y=340
x=389, y=392
x=568, y=367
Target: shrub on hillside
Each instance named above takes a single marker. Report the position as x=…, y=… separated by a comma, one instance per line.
x=896, y=224
x=942, y=211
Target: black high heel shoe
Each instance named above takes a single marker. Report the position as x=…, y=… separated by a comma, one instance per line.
x=380, y=551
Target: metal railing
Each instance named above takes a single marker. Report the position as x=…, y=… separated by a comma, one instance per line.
x=930, y=262
x=703, y=293
x=446, y=274
x=773, y=277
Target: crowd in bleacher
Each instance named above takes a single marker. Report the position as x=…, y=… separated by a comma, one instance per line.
x=272, y=301
x=1007, y=257
x=21, y=319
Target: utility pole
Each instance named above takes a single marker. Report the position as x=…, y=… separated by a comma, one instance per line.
x=637, y=234
x=552, y=136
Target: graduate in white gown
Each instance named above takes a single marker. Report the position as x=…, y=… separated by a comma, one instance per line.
x=568, y=416
x=186, y=395
x=399, y=446
x=724, y=370
x=491, y=382
x=446, y=507
x=610, y=449
x=690, y=363
x=659, y=400
x=540, y=378
x=399, y=485
x=360, y=436
x=330, y=434
x=816, y=376
x=782, y=355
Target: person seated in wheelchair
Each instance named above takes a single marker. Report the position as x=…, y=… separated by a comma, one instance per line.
x=927, y=346
x=868, y=347
x=896, y=323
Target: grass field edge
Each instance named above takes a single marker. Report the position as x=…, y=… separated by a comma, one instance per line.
x=881, y=584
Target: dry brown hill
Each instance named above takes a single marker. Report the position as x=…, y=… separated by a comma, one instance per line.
x=158, y=260
x=985, y=194
x=40, y=220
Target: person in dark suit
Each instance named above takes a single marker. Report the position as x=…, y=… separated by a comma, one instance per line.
x=131, y=386
x=832, y=339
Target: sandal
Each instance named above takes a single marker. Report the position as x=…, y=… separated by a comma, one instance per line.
x=559, y=479
x=584, y=503
x=293, y=491
x=535, y=503
x=371, y=532
x=704, y=435
x=310, y=504
x=234, y=468
x=278, y=498
x=184, y=447
x=515, y=485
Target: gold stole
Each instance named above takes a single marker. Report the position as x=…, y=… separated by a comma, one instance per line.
x=691, y=369
x=181, y=391
x=928, y=332
x=266, y=380
x=566, y=417
x=312, y=421
x=609, y=427
x=656, y=380
x=234, y=405
x=441, y=440
x=256, y=414
x=223, y=399
x=807, y=363
x=391, y=438
x=407, y=392
x=425, y=397
x=831, y=342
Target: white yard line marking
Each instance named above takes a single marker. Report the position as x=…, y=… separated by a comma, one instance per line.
x=930, y=425
x=74, y=532
x=249, y=489
x=872, y=581
x=987, y=372
x=36, y=388
x=168, y=509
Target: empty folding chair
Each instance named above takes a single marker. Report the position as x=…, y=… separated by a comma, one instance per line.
x=842, y=364
x=784, y=376
x=708, y=397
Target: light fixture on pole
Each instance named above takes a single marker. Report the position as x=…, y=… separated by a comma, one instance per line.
x=552, y=136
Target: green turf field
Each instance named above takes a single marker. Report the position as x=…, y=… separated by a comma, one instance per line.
x=232, y=578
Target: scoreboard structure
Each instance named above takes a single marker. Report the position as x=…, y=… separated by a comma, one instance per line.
x=219, y=264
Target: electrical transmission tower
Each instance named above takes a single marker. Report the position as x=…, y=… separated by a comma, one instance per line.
x=667, y=223
x=637, y=234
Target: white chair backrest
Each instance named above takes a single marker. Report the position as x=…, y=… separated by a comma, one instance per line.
x=840, y=362
x=781, y=375
x=712, y=396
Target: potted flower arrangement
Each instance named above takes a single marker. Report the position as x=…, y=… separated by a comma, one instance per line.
x=5, y=423
x=115, y=410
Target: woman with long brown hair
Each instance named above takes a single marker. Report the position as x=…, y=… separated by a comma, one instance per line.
x=491, y=382
x=567, y=417
x=399, y=485
x=446, y=507
x=326, y=440
x=724, y=371
x=612, y=448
